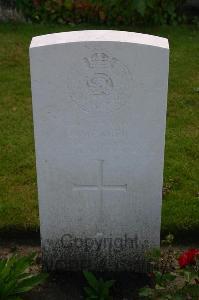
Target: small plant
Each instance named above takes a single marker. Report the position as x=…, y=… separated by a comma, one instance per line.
x=98, y=288
x=15, y=278
x=174, y=277
x=128, y=12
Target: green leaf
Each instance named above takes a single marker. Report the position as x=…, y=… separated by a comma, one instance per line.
x=91, y=279
x=187, y=276
x=145, y=292
x=89, y=290
x=8, y=288
x=169, y=277
x=177, y=297
x=158, y=277
x=159, y=287
x=109, y=283
x=98, y=288
x=24, y=262
x=14, y=276
x=2, y=265
x=28, y=283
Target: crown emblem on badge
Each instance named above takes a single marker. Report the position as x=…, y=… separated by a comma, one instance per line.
x=98, y=59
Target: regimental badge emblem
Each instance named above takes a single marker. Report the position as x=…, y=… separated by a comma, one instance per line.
x=102, y=83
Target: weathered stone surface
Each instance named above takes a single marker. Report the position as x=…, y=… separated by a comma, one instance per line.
x=99, y=107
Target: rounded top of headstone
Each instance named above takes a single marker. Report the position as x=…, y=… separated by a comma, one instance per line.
x=99, y=36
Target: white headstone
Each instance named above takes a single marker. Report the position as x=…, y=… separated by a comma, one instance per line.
x=99, y=108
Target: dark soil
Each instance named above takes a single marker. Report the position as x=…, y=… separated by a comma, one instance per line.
x=70, y=285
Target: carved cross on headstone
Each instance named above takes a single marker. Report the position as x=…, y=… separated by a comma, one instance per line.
x=100, y=186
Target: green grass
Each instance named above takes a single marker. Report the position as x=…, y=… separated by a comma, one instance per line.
x=18, y=195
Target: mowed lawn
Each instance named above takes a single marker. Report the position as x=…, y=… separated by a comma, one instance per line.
x=18, y=190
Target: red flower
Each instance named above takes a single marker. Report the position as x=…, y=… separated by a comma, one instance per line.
x=188, y=257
